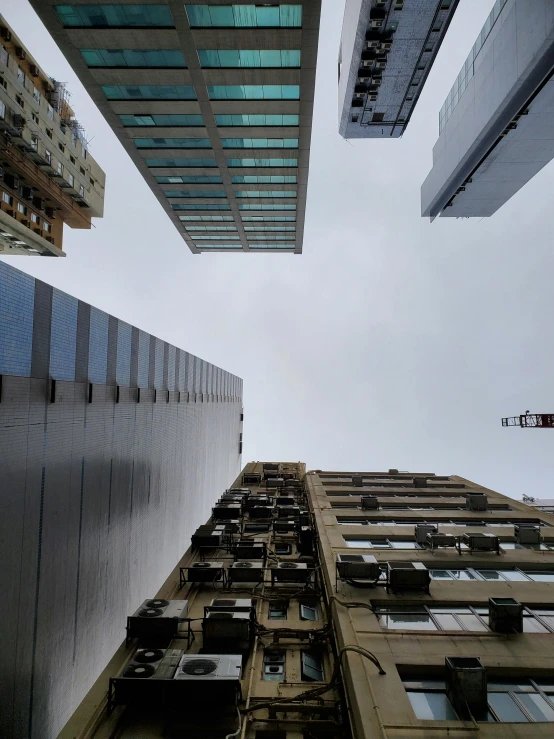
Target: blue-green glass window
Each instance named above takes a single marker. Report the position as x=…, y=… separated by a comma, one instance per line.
x=226, y=237
x=254, y=92
x=218, y=246
x=115, y=16
x=174, y=119
x=262, y=162
x=244, y=16
x=195, y=194
x=269, y=228
x=249, y=58
x=267, y=206
x=172, y=143
x=218, y=219
x=269, y=219
x=178, y=163
x=210, y=228
x=190, y=180
x=265, y=194
x=201, y=206
x=259, y=143
x=260, y=179
x=270, y=237
x=256, y=120
x=149, y=92
x=272, y=246
x=134, y=58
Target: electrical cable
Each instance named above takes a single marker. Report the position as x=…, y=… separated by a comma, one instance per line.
x=237, y=732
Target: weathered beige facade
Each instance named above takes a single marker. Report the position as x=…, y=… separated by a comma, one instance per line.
x=373, y=645
x=48, y=177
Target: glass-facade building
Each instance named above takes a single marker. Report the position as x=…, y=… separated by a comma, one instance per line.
x=113, y=444
x=217, y=78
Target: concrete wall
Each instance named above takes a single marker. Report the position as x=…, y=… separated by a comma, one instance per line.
x=99, y=498
x=515, y=60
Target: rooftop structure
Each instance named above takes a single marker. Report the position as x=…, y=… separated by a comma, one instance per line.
x=386, y=52
x=212, y=102
x=47, y=176
x=495, y=127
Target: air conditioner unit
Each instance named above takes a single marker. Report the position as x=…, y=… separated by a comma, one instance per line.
x=393, y=471
x=20, y=52
x=527, y=534
x=359, y=96
x=205, y=572
x=261, y=511
x=373, y=44
x=145, y=677
x=357, y=480
x=226, y=510
x=284, y=526
x=209, y=667
x=285, y=500
x=476, y=502
x=274, y=482
x=377, y=23
x=288, y=511
x=211, y=538
x=373, y=98
x=50, y=213
x=270, y=466
x=420, y=482
x=291, y=572
x=34, y=70
x=250, y=549
x=407, y=576
x=11, y=181
x=157, y=620
x=258, y=500
x=358, y=567
x=421, y=531
x=39, y=203
x=6, y=34
x=229, y=626
x=246, y=571
x=505, y=615
x=466, y=687
x=239, y=491
x=305, y=518
x=386, y=45
x=251, y=478
x=481, y=542
x=26, y=192
x=245, y=605
x=370, y=502
x=440, y=540
x=380, y=63
x=293, y=483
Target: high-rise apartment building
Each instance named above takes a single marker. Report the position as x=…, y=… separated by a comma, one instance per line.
x=541, y=504
x=47, y=176
x=386, y=52
x=495, y=128
x=213, y=103
x=338, y=605
x=112, y=442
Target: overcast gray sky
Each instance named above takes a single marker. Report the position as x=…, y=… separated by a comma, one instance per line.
x=391, y=342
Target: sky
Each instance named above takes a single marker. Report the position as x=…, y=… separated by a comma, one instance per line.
x=391, y=341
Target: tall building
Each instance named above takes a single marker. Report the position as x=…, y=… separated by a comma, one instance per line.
x=47, y=176
x=338, y=605
x=541, y=504
x=495, y=129
x=213, y=103
x=387, y=49
x=111, y=445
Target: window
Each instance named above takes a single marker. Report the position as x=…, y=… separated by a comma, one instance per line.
x=48, y=156
x=3, y=54
x=282, y=548
x=311, y=666
x=34, y=142
x=211, y=228
x=81, y=191
x=275, y=179
x=46, y=226
x=280, y=245
x=189, y=180
x=274, y=666
x=201, y=206
x=36, y=95
x=254, y=92
x=510, y=701
x=34, y=117
x=174, y=163
x=266, y=206
x=215, y=219
x=195, y=194
x=61, y=147
x=218, y=237
x=271, y=237
x=265, y=193
x=134, y=58
x=163, y=143
x=20, y=76
x=278, y=610
x=259, y=143
x=218, y=246
x=248, y=58
x=149, y=92
x=49, y=133
x=309, y=612
x=91, y=181
x=380, y=544
x=269, y=228
x=35, y=218
x=72, y=159
x=59, y=168
x=262, y=162
x=7, y=198
x=251, y=119
x=50, y=112
x=458, y=618
x=161, y=120
x=114, y=16
x=244, y=16
x=19, y=101
x=267, y=219
x=22, y=209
